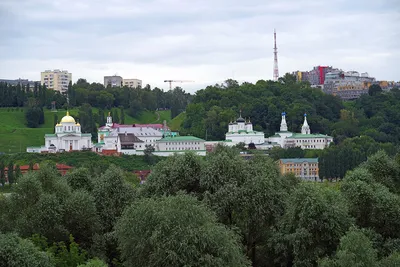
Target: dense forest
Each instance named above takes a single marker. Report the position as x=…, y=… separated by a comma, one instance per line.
x=218, y=210
x=134, y=100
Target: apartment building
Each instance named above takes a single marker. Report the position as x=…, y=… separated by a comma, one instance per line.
x=304, y=168
x=23, y=82
x=57, y=80
x=132, y=83
x=113, y=81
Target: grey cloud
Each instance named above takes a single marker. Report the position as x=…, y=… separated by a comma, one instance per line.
x=182, y=34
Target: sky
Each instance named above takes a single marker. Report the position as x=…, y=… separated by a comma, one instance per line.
x=205, y=41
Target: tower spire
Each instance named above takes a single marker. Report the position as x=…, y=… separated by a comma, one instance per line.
x=305, y=129
x=276, y=70
x=283, y=123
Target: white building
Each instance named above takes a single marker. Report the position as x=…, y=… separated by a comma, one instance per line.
x=56, y=80
x=133, y=139
x=67, y=137
x=132, y=83
x=180, y=144
x=305, y=139
x=242, y=132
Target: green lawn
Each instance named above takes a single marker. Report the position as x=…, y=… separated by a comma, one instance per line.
x=176, y=123
x=15, y=136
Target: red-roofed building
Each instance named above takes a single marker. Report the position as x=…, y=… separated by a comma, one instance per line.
x=62, y=168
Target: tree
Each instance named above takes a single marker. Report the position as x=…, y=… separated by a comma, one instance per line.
x=94, y=263
x=17, y=173
x=148, y=154
x=315, y=219
x=122, y=120
x=55, y=119
x=10, y=173
x=176, y=231
x=16, y=252
x=374, y=90
x=355, y=249
x=176, y=173
x=80, y=179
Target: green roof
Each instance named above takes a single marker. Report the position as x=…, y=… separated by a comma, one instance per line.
x=300, y=160
x=50, y=135
x=180, y=138
x=297, y=135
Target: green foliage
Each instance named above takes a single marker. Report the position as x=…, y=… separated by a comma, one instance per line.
x=355, y=249
x=148, y=154
x=17, y=252
x=315, y=219
x=176, y=231
x=66, y=256
x=374, y=89
x=94, y=263
x=176, y=173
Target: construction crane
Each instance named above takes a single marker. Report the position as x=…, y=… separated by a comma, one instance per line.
x=176, y=81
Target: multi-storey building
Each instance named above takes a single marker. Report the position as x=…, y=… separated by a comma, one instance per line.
x=304, y=168
x=132, y=83
x=347, y=85
x=57, y=80
x=113, y=81
x=315, y=77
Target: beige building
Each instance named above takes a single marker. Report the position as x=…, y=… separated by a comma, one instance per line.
x=57, y=80
x=304, y=168
x=132, y=83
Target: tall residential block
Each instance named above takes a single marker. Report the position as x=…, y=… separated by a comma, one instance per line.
x=133, y=83
x=57, y=80
x=113, y=81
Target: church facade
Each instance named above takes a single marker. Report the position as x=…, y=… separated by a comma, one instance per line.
x=305, y=139
x=67, y=137
x=241, y=131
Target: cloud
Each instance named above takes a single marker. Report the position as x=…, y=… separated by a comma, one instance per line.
x=202, y=40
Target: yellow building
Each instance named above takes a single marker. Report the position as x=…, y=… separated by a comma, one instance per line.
x=57, y=80
x=304, y=168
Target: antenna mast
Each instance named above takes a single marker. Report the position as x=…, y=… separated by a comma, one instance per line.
x=276, y=71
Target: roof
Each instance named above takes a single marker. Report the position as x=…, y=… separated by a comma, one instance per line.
x=128, y=138
x=149, y=125
x=180, y=138
x=300, y=160
x=36, y=166
x=298, y=135
x=50, y=135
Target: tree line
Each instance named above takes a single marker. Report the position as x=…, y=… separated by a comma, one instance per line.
x=221, y=210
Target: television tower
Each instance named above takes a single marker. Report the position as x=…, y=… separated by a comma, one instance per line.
x=276, y=71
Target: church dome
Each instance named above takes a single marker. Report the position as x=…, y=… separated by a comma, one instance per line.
x=240, y=119
x=67, y=118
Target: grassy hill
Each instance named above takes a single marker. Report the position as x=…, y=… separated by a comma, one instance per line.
x=15, y=136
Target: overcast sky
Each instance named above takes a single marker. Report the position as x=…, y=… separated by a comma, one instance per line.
x=207, y=41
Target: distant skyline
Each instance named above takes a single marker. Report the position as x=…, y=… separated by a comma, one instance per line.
x=207, y=41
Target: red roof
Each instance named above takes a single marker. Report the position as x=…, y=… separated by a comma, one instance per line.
x=36, y=166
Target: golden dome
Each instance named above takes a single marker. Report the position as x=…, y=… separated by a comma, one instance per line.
x=58, y=124
x=78, y=124
x=67, y=118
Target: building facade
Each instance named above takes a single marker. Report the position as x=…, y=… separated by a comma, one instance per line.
x=180, y=144
x=56, y=80
x=115, y=139
x=347, y=85
x=305, y=139
x=241, y=131
x=304, y=168
x=113, y=81
x=67, y=137
x=132, y=83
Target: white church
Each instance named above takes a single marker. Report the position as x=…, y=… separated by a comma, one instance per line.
x=67, y=137
x=305, y=139
x=241, y=131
